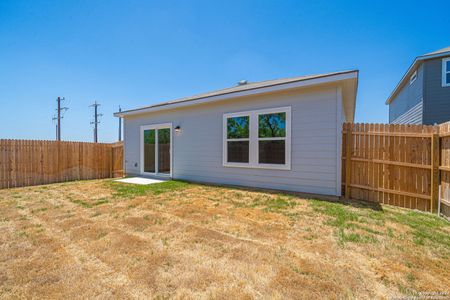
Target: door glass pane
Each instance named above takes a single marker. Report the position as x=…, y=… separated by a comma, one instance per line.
x=272, y=125
x=238, y=151
x=149, y=151
x=164, y=150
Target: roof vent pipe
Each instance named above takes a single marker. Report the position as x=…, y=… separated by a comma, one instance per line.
x=242, y=82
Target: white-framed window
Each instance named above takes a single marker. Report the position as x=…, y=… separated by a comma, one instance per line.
x=258, y=139
x=413, y=77
x=446, y=72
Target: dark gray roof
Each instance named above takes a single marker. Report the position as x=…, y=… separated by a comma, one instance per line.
x=240, y=88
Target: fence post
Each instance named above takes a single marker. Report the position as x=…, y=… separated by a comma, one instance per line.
x=348, y=157
x=111, y=161
x=435, y=161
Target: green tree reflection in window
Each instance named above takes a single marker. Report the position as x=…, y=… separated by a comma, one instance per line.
x=149, y=136
x=272, y=125
x=164, y=136
x=238, y=127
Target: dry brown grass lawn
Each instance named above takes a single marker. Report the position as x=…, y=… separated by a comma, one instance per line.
x=177, y=240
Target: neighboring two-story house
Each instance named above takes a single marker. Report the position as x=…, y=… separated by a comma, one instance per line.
x=423, y=94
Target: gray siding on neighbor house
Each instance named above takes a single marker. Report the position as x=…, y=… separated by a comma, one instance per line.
x=407, y=98
x=436, y=97
x=197, y=150
x=412, y=116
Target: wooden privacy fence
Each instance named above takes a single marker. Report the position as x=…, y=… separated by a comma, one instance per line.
x=401, y=165
x=32, y=162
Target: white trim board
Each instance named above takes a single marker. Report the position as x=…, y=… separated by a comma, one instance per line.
x=339, y=122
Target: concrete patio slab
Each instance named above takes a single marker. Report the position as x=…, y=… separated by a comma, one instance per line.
x=139, y=180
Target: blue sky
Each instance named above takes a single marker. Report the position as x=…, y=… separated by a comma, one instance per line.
x=134, y=53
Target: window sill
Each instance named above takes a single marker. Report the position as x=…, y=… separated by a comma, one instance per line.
x=285, y=167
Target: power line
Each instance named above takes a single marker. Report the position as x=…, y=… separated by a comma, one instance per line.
x=96, y=121
x=58, y=116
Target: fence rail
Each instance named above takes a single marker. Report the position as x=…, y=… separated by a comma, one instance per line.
x=401, y=165
x=33, y=162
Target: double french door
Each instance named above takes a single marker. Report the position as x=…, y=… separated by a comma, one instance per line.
x=156, y=149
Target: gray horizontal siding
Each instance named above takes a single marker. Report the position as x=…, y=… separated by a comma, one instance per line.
x=197, y=150
x=407, y=98
x=412, y=116
x=436, y=97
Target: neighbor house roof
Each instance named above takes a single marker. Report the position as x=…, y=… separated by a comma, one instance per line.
x=435, y=54
x=250, y=89
x=443, y=50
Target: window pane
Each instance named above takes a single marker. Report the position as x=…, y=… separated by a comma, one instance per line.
x=272, y=152
x=272, y=125
x=448, y=65
x=238, y=151
x=164, y=150
x=149, y=151
x=238, y=127
x=448, y=78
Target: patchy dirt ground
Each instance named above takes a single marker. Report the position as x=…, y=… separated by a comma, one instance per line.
x=176, y=240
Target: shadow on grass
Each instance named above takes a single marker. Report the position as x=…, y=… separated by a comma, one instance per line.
x=327, y=198
x=357, y=203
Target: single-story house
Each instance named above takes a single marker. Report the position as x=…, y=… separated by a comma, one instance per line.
x=280, y=134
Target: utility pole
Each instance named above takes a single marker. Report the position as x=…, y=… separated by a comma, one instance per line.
x=59, y=116
x=96, y=121
x=120, y=125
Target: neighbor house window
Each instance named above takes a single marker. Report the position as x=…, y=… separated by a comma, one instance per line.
x=413, y=77
x=446, y=72
x=258, y=139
